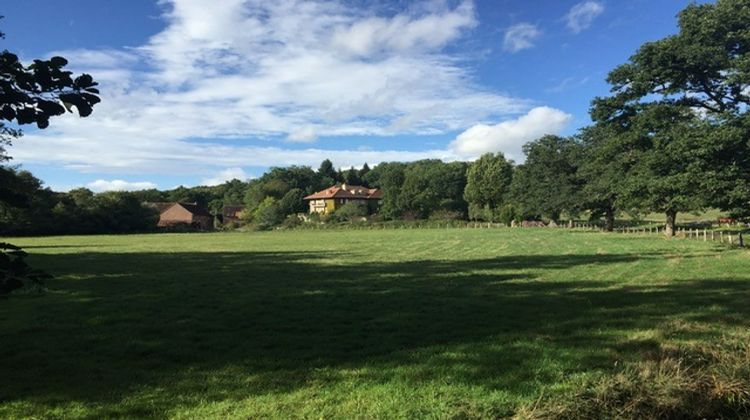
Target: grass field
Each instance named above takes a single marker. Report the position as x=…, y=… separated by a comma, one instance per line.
x=401, y=323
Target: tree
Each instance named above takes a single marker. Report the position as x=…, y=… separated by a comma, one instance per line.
x=267, y=214
x=432, y=185
x=363, y=174
x=704, y=65
x=604, y=167
x=547, y=184
x=33, y=94
x=351, y=177
x=673, y=167
x=292, y=202
x=703, y=68
x=487, y=183
x=390, y=178
x=327, y=174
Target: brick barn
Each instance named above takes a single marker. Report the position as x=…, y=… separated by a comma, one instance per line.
x=185, y=214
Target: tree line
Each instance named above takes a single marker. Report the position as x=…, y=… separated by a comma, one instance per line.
x=673, y=136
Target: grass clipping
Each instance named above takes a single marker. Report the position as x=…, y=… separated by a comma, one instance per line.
x=684, y=381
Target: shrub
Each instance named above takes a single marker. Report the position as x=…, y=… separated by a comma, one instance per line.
x=292, y=221
x=267, y=214
x=445, y=215
x=16, y=274
x=479, y=212
x=314, y=217
x=348, y=212
x=506, y=214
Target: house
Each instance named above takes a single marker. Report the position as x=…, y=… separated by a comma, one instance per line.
x=330, y=199
x=159, y=206
x=231, y=213
x=184, y=214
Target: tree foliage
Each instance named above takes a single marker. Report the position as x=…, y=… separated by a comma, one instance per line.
x=704, y=65
x=547, y=184
x=704, y=69
x=487, y=185
x=432, y=185
x=32, y=94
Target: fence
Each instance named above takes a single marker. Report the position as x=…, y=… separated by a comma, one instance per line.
x=729, y=237
x=733, y=237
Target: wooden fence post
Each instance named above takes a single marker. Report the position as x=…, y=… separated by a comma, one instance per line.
x=741, y=242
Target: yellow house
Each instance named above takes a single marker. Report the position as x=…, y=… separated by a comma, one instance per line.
x=330, y=199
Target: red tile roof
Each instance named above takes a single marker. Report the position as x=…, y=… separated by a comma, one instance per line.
x=346, y=191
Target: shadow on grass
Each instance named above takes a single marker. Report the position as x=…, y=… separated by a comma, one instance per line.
x=228, y=325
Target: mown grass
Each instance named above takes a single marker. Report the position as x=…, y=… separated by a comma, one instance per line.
x=401, y=323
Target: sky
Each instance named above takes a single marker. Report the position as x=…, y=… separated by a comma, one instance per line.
x=198, y=92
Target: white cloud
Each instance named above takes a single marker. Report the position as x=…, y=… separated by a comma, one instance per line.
x=101, y=185
x=202, y=93
x=98, y=59
x=582, y=15
x=510, y=136
x=304, y=135
x=225, y=176
x=405, y=33
x=520, y=36
x=185, y=158
x=567, y=84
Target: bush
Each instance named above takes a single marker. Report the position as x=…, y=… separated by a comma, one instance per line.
x=445, y=215
x=267, y=214
x=506, y=214
x=479, y=212
x=292, y=221
x=348, y=212
x=16, y=274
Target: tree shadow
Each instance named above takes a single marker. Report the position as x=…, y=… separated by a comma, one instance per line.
x=116, y=323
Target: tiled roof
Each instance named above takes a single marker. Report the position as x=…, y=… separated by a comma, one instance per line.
x=195, y=209
x=160, y=206
x=346, y=191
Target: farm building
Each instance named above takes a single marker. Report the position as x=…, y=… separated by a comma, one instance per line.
x=184, y=214
x=330, y=199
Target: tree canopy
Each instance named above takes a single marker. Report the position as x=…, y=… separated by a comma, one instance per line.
x=487, y=185
x=705, y=65
x=32, y=94
x=547, y=184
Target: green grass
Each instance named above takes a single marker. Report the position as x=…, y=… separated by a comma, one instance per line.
x=710, y=215
x=395, y=323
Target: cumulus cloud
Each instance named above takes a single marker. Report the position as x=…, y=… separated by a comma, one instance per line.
x=510, y=136
x=404, y=32
x=101, y=185
x=582, y=15
x=185, y=158
x=254, y=70
x=520, y=36
x=303, y=135
x=225, y=176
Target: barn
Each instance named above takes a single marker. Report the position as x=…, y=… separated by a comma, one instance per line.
x=186, y=214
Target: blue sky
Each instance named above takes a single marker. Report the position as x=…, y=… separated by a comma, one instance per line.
x=195, y=94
